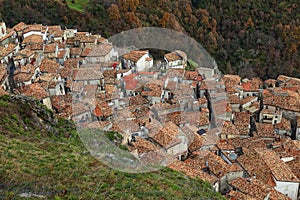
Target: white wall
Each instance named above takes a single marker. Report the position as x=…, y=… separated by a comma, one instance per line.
x=298, y=133
x=175, y=64
x=47, y=103
x=2, y=29
x=142, y=64
x=180, y=148
x=250, y=102
x=288, y=188
x=35, y=33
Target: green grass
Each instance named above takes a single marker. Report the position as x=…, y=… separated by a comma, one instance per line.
x=78, y=5
x=58, y=166
x=61, y=167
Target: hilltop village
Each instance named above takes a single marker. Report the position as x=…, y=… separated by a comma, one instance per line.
x=241, y=135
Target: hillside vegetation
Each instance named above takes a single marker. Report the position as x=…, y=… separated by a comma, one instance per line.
x=251, y=38
x=43, y=157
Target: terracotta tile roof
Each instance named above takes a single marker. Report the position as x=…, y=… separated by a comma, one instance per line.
x=135, y=55
x=198, y=159
x=173, y=56
x=100, y=50
x=231, y=81
x=79, y=108
x=22, y=77
x=264, y=130
x=291, y=82
x=250, y=143
x=219, y=167
x=61, y=54
x=294, y=166
x=269, y=82
x=247, y=99
x=148, y=59
x=234, y=99
x=105, y=109
x=4, y=51
x=285, y=147
x=62, y=103
x=81, y=74
x=88, y=39
x=77, y=86
x=54, y=28
x=49, y=66
x=111, y=92
x=196, y=143
x=72, y=41
x=75, y=51
x=34, y=38
x=288, y=100
x=298, y=122
x=97, y=111
x=167, y=136
x=33, y=27
x=285, y=124
x=125, y=126
x=235, y=195
x=50, y=48
x=202, y=101
x=69, y=83
x=229, y=129
x=256, y=166
x=256, y=189
x=252, y=85
x=242, y=118
x=85, y=52
x=137, y=100
x=72, y=63
x=26, y=53
x=191, y=171
x=278, y=168
x=224, y=145
x=19, y=27
x=98, y=125
x=172, y=73
x=142, y=146
x=35, y=90
x=131, y=84
x=283, y=78
x=297, y=143
x=61, y=45
x=110, y=74
x=8, y=35
x=102, y=40
x=35, y=46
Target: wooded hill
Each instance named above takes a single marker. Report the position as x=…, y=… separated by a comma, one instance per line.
x=251, y=38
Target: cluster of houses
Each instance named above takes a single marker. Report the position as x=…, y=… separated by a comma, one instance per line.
x=241, y=135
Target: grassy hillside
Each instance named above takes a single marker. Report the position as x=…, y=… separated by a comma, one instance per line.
x=44, y=156
x=77, y=5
